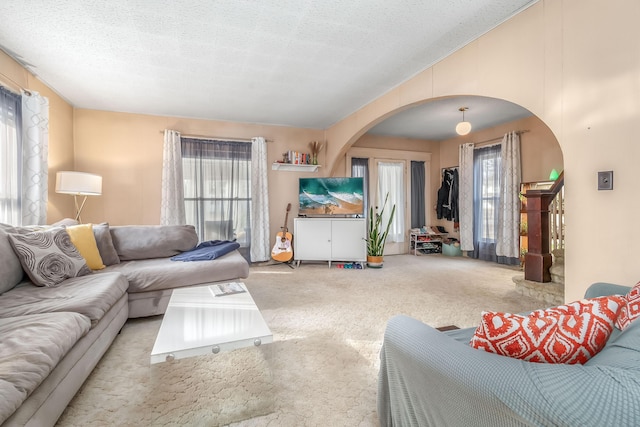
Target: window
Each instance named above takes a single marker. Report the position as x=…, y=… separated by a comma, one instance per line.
x=10, y=159
x=391, y=182
x=217, y=189
x=486, y=201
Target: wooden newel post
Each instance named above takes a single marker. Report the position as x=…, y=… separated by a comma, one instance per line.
x=537, y=260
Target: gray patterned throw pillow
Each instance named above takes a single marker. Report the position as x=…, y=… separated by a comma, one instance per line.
x=48, y=257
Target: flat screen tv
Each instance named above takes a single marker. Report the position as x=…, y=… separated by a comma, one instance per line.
x=331, y=196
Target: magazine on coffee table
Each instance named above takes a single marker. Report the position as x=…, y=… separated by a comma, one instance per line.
x=222, y=289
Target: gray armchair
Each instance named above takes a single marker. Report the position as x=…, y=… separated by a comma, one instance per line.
x=432, y=378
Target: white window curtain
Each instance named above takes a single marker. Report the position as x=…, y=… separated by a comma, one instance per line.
x=260, y=250
x=391, y=181
x=508, y=239
x=35, y=151
x=172, y=211
x=465, y=197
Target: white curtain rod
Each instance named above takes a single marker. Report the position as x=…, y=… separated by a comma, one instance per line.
x=519, y=132
x=12, y=85
x=218, y=138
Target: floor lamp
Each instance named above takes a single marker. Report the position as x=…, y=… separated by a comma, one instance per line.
x=78, y=184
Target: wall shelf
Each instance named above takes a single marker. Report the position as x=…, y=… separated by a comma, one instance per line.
x=294, y=167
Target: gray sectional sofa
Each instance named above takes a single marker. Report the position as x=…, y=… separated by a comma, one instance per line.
x=51, y=337
x=432, y=378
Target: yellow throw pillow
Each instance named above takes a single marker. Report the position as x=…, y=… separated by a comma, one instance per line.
x=83, y=239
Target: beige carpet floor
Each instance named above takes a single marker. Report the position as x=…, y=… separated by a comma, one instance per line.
x=321, y=369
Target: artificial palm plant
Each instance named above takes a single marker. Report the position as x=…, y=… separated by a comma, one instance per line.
x=377, y=237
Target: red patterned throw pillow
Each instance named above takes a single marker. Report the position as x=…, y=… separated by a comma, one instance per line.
x=607, y=308
x=570, y=334
x=631, y=310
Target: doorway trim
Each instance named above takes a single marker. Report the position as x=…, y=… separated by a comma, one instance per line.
x=375, y=154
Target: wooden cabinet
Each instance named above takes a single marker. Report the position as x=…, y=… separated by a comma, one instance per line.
x=329, y=239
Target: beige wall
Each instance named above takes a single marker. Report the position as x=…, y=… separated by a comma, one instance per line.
x=411, y=145
x=60, y=157
x=575, y=65
x=126, y=149
x=539, y=149
x=540, y=153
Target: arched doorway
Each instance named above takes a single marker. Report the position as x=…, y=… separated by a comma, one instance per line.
x=428, y=128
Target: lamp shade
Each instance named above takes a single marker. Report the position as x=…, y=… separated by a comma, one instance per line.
x=463, y=128
x=78, y=183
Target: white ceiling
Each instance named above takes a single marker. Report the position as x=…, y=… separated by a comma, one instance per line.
x=436, y=120
x=302, y=63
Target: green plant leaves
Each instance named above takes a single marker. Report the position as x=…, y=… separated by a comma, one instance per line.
x=377, y=238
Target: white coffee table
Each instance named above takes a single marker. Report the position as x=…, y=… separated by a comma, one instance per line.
x=196, y=322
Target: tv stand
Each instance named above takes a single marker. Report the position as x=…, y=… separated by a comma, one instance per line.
x=330, y=239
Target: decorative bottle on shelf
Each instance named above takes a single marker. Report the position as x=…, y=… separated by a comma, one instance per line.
x=315, y=149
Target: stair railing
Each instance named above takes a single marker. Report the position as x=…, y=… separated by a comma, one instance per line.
x=556, y=215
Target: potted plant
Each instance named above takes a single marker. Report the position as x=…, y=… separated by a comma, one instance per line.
x=377, y=234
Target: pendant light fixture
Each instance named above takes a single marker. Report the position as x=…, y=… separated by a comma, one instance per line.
x=463, y=128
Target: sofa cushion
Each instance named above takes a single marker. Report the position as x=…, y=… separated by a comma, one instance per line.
x=622, y=350
x=31, y=348
x=554, y=338
x=571, y=333
x=631, y=310
x=105, y=244
x=65, y=222
x=85, y=242
x=162, y=273
x=11, y=272
x=134, y=242
x=91, y=295
x=48, y=256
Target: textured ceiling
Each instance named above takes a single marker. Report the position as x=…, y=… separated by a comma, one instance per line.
x=303, y=63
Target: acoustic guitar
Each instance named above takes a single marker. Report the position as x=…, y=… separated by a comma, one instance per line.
x=283, y=251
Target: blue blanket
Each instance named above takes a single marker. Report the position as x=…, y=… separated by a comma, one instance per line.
x=206, y=251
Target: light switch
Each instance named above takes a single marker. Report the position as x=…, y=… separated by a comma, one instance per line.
x=605, y=180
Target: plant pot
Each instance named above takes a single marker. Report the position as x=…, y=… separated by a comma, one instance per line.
x=374, y=261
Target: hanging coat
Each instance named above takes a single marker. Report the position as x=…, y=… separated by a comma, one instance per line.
x=447, y=205
x=443, y=207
